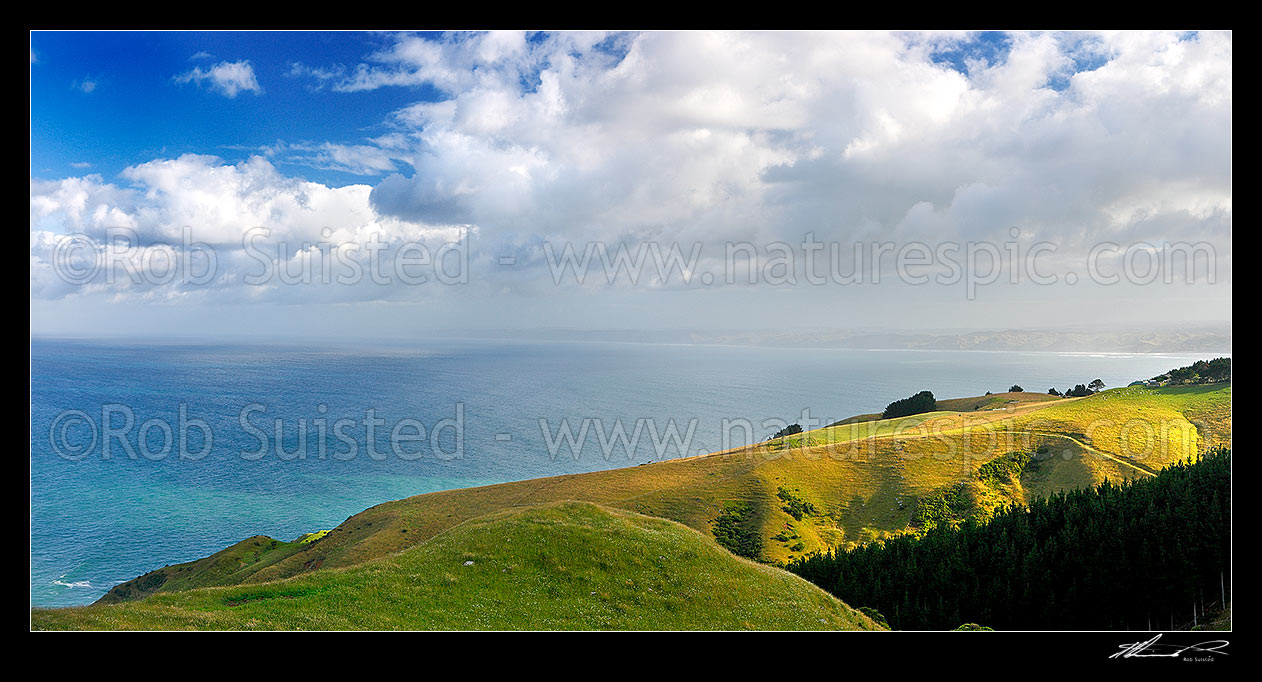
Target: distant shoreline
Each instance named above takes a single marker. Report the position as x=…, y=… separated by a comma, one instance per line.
x=395, y=344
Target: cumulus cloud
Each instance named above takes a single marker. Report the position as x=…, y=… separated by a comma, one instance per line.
x=197, y=199
x=717, y=134
x=717, y=137
x=227, y=78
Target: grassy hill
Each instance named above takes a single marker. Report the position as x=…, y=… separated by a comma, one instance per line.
x=993, y=401
x=1151, y=551
x=568, y=565
x=838, y=486
x=225, y=567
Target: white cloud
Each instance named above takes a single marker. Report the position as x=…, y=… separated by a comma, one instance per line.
x=219, y=205
x=376, y=158
x=717, y=137
x=219, y=201
x=356, y=159
x=776, y=133
x=227, y=78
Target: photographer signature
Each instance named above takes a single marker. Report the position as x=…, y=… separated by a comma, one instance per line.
x=1151, y=649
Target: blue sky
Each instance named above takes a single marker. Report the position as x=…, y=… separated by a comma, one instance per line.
x=136, y=110
x=987, y=47
x=520, y=144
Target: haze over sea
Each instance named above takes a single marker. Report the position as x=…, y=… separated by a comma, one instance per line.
x=96, y=522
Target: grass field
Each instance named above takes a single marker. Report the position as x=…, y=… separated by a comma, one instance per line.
x=837, y=486
x=562, y=566
x=993, y=401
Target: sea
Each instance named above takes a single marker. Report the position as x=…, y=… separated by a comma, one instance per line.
x=145, y=454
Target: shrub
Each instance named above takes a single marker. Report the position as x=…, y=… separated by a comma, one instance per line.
x=917, y=404
x=795, y=506
x=737, y=530
x=875, y=615
x=1003, y=469
x=1079, y=391
x=789, y=430
x=946, y=507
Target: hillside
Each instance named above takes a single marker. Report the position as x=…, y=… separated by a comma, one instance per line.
x=993, y=401
x=568, y=565
x=838, y=486
x=1153, y=551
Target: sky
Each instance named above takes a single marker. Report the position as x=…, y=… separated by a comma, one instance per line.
x=397, y=184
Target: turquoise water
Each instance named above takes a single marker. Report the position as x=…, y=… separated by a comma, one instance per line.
x=97, y=521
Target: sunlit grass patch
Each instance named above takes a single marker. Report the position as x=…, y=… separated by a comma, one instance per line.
x=561, y=566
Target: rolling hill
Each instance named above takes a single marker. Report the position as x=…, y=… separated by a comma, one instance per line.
x=835, y=487
x=569, y=565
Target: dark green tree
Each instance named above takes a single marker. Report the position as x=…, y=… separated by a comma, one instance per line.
x=1112, y=557
x=916, y=404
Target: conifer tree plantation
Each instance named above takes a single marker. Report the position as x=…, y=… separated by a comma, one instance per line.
x=1149, y=554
